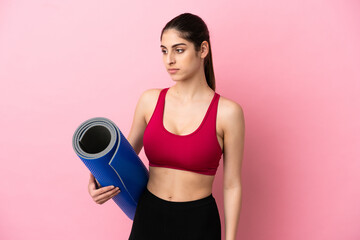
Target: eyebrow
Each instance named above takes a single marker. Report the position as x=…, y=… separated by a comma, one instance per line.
x=175, y=45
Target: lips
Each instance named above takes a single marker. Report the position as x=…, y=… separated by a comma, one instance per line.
x=173, y=70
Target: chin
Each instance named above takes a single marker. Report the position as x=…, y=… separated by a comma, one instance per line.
x=176, y=78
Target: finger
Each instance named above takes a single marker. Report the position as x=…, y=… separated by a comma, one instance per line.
x=91, y=185
x=112, y=195
x=91, y=188
x=103, y=190
x=103, y=200
x=92, y=181
x=106, y=196
x=115, y=193
x=92, y=178
x=99, y=185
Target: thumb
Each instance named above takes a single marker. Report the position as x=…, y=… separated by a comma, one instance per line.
x=92, y=181
x=92, y=178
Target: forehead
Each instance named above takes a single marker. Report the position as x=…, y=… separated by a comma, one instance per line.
x=171, y=37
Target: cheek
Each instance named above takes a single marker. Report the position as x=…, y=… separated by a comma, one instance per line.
x=193, y=63
x=190, y=61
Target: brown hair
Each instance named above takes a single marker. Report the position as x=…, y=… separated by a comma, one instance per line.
x=193, y=29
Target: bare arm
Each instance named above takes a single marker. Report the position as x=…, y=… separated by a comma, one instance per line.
x=234, y=132
x=135, y=136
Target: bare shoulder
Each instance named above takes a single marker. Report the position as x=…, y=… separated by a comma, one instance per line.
x=148, y=100
x=149, y=95
x=231, y=114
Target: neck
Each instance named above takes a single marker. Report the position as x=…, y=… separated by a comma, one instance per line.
x=193, y=88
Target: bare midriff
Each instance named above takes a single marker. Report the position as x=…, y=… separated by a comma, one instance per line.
x=179, y=185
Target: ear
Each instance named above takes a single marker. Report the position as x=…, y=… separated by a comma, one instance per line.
x=204, y=49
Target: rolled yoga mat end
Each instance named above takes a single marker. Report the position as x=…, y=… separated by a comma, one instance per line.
x=112, y=160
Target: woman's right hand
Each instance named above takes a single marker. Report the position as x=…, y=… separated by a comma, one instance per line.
x=102, y=194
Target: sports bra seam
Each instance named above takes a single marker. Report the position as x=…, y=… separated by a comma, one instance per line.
x=185, y=169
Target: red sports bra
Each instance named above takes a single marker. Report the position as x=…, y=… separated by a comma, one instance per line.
x=198, y=151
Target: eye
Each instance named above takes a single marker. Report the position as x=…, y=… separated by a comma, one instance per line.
x=182, y=50
x=163, y=51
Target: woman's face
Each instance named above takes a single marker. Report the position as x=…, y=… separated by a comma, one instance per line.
x=180, y=54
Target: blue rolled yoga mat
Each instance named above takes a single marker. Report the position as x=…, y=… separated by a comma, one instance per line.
x=112, y=160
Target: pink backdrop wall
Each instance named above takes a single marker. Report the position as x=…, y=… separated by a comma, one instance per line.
x=292, y=65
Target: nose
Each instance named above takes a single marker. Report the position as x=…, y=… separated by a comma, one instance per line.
x=170, y=58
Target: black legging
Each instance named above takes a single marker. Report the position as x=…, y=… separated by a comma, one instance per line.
x=158, y=219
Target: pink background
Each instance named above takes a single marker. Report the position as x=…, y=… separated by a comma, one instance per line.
x=292, y=65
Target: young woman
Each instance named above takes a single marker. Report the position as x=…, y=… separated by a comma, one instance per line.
x=185, y=129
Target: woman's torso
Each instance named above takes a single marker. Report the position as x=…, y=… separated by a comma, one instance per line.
x=174, y=184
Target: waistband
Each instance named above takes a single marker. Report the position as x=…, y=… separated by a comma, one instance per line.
x=186, y=204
